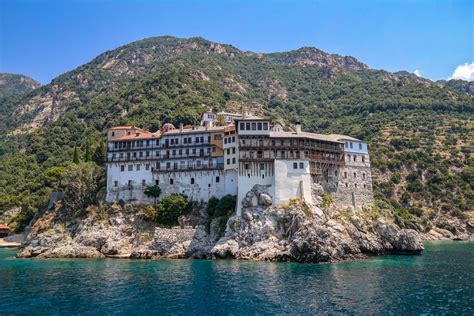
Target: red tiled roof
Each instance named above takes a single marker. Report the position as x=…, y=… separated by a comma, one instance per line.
x=134, y=136
x=4, y=227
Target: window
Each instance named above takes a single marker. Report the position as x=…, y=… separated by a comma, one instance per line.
x=355, y=175
x=242, y=126
x=147, y=143
x=130, y=167
x=355, y=185
x=171, y=181
x=147, y=166
x=134, y=155
x=113, y=156
x=246, y=166
x=351, y=144
x=180, y=152
x=115, y=183
x=218, y=179
x=138, y=167
x=265, y=126
x=141, y=154
x=301, y=165
x=295, y=165
x=174, y=152
x=113, y=134
x=168, y=165
x=192, y=180
x=233, y=160
x=335, y=173
x=185, y=140
x=347, y=144
x=129, y=183
x=355, y=158
x=228, y=161
x=247, y=126
x=148, y=154
x=197, y=140
x=116, y=145
x=157, y=182
x=157, y=153
x=262, y=166
x=259, y=126
x=363, y=158
x=360, y=146
x=363, y=176
x=254, y=126
x=233, y=150
x=143, y=182
x=228, y=151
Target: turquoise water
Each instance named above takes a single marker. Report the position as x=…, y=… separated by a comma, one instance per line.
x=439, y=281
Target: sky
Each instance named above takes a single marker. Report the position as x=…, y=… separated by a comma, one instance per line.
x=433, y=39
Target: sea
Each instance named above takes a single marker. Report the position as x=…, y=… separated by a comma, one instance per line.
x=440, y=281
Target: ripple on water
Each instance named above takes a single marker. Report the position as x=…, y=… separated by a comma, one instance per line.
x=439, y=281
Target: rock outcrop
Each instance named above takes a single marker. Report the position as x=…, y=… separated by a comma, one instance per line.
x=293, y=232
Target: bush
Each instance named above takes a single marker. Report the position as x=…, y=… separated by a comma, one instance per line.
x=170, y=208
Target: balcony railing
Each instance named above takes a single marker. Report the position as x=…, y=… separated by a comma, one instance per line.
x=218, y=166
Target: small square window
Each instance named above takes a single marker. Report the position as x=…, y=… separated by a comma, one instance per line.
x=122, y=168
x=171, y=181
x=295, y=165
x=301, y=165
x=130, y=167
x=143, y=182
x=192, y=180
x=157, y=182
x=217, y=179
x=115, y=183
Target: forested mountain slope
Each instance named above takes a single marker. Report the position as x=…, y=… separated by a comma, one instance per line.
x=13, y=88
x=419, y=131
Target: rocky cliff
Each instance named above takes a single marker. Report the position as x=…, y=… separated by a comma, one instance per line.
x=293, y=232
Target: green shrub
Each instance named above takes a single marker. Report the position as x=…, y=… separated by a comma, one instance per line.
x=170, y=208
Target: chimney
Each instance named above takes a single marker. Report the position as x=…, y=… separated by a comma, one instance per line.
x=180, y=127
x=298, y=127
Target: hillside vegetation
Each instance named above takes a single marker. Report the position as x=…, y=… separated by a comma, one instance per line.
x=420, y=132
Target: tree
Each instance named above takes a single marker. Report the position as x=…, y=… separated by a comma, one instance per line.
x=170, y=208
x=81, y=184
x=153, y=191
x=99, y=154
x=75, y=156
x=88, y=153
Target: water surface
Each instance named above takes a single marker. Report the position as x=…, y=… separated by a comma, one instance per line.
x=439, y=281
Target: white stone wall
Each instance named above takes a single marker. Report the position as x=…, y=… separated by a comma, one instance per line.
x=204, y=187
x=290, y=182
x=128, y=185
x=231, y=179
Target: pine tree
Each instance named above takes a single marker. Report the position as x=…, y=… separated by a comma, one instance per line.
x=75, y=156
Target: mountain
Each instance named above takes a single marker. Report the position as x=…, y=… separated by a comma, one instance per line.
x=12, y=88
x=458, y=85
x=420, y=132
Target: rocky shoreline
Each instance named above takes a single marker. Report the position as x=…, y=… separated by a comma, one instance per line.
x=294, y=232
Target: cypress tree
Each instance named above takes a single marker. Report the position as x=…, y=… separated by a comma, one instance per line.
x=75, y=156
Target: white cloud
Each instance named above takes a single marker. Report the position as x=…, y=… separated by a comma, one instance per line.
x=417, y=73
x=464, y=72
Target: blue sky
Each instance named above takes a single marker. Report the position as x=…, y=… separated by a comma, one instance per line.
x=43, y=39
